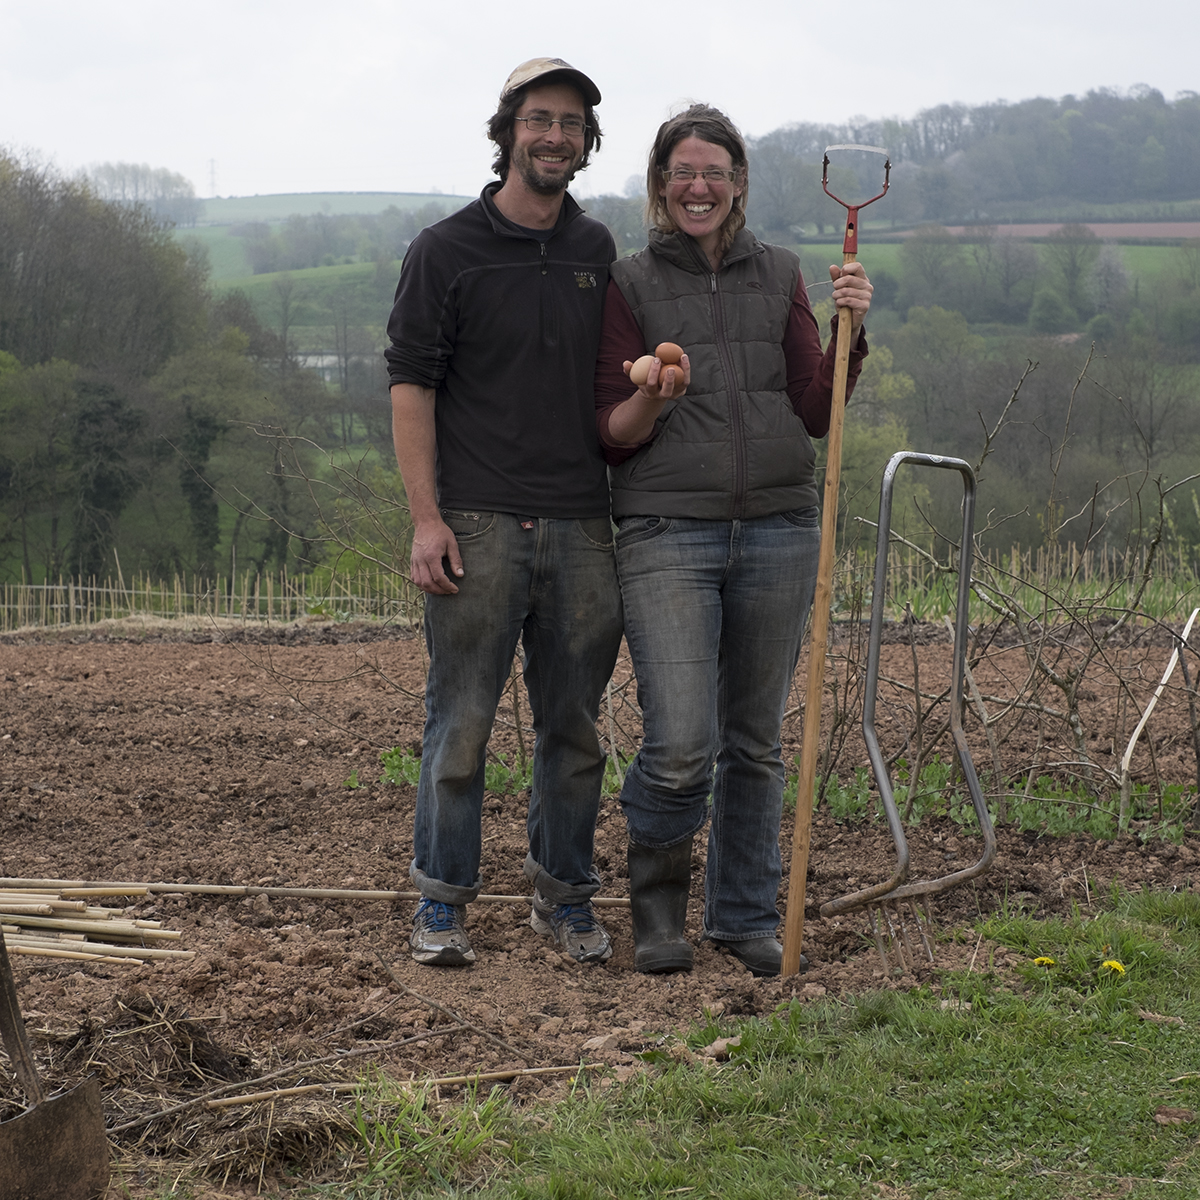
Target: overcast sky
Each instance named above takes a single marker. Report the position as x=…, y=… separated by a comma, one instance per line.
x=392, y=95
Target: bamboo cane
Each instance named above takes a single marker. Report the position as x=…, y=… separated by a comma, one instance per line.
x=100, y=892
x=493, y=1076
x=103, y=928
x=70, y=887
x=307, y=1089
x=100, y=948
x=73, y=955
x=49, y=899
x=445, y=1081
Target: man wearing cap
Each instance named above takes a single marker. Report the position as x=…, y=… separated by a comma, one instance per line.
x=494, y=334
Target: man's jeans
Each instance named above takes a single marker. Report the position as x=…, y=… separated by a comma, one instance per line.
x=714, y=615
x=552, y=584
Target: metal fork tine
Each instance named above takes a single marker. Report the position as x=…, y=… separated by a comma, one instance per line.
x=910, y=957
x=897, y=931
x=876, y=915
x=895, y=952
x=925, y=927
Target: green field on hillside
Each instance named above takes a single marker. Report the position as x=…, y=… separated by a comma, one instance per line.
x=317, y=295
x=227, y=252
x=235, y=209
x=1145, y=264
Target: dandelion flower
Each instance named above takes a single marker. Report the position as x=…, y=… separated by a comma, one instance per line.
x=1044, y=960
x=1111, y=964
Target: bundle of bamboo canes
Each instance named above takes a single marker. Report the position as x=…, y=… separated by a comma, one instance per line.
x=73, y=923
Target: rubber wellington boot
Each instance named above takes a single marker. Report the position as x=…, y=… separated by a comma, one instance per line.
x=658, y=892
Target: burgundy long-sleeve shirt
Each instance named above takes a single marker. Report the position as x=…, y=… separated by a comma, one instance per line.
x=809, y=369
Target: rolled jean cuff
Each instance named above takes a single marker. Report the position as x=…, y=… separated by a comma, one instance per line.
x=552, y=889
x=719, y=935
x=444, y=893
x=663, y=836
x=659, y=819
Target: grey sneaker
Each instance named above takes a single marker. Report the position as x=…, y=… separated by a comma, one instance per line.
x=573, y=927
x=438, y=938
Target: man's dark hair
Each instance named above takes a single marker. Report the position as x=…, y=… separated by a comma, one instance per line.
x=500, y=127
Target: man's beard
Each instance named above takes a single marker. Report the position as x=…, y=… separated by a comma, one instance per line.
x=527, y=168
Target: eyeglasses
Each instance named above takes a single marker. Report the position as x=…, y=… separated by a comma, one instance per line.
x=571, y=126
x=686, y=175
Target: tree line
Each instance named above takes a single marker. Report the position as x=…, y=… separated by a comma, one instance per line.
x=145, y=420
x=956, y=161
x=1073, y=282
x=323, y=240
x=168, y=195
x=951, y=162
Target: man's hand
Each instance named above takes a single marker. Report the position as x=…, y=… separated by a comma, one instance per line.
x=852, y=289
x=413, y=434
x=434, y=543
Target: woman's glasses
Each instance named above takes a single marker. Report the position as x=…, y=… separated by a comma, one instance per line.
x=712, y=175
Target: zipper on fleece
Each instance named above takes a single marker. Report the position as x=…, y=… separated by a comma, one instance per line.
x=735, y=400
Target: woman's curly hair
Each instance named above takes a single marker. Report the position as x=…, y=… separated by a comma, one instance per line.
x=709, y=125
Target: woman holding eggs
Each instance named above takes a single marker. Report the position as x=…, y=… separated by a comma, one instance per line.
x=714, y=495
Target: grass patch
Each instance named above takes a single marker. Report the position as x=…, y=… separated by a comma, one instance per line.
x=317, y=294
x=1052, y=1082
x=402, y=766
x=1051, y=806
x=226, y=253
x=410, y=1140
x=1149, y=264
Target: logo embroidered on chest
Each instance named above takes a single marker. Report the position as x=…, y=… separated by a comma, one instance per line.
x=585, y=279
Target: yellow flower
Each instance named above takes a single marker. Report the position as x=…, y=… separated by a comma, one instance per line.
x=1044, y=961
x=1111, y=964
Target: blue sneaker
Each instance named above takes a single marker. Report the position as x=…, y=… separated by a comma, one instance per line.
x=573, y=927
x=438, y=938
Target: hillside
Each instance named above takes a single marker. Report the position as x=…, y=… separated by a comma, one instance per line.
x=221, y=225
x=230, y=210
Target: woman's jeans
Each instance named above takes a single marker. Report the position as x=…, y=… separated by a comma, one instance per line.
x=714, y=615
x=553, y=584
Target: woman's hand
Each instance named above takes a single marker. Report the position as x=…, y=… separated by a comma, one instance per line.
x=663, y=383
x=852, y=289
x=632, y=421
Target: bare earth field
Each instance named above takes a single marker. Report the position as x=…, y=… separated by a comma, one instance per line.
x=222, y=758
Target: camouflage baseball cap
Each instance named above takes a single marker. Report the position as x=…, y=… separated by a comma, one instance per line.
x=543, y=68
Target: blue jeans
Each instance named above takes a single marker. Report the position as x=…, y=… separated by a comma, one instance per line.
x=554, y=586
x=714, y=615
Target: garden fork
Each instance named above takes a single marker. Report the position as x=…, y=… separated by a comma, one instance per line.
x=900, y=912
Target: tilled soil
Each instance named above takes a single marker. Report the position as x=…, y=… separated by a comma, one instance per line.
x=223, y=759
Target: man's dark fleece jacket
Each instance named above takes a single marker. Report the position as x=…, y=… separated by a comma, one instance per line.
x=503, y=322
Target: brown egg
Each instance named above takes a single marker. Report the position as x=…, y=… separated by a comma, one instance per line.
x=641, y=369
x=669, y=353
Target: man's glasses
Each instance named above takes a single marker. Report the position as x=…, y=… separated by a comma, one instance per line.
x=713, y=175
x=571, y=126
